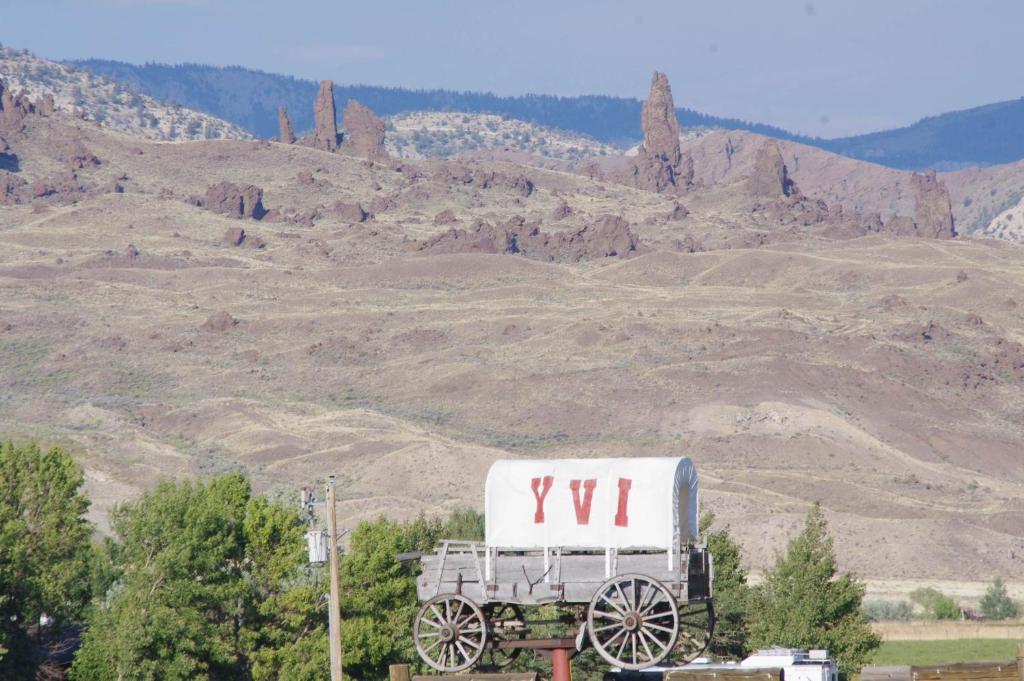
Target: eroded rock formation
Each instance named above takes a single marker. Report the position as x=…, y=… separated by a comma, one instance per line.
x=227, y=198
x=364, y=132
x=325, y=131
x=769, y=177
x=609, y=236
x=286, y=134
x=933, y=213
x=659, y=164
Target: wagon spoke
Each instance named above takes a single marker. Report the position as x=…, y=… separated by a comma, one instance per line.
x=632, y=640
x=644, y=633
x=462, y=651
x=610, y=615
x=606, y=627
x=618, y=588
x=618, y=655
x=648, y=625
x=436, y=625
x=458, y=612
x=475, y=644
x=432, y=645
x=613, y=638
x=647, y=648
x=659, y=616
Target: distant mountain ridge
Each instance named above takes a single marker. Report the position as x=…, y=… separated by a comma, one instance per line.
x=985, y=135
x=981, y=136
x=250, y=98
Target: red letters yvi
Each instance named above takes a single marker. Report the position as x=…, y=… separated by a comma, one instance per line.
x=540, y=494
x=582, y=510
x=621, y=518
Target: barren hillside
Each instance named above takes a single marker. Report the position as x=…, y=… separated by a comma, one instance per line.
x=405, y=345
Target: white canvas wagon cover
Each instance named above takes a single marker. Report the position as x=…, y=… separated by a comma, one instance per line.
x=638, y=503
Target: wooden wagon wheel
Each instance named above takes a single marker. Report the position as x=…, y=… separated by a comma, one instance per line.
x=505, y=622
x=450, y=633
x=633, y=621
x=696, y=626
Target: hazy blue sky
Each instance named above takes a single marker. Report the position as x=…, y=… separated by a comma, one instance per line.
x=820, y=67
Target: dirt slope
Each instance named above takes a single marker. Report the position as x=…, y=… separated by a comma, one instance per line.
x=881, y=376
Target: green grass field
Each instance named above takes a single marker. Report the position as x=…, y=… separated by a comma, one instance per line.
x=944, y=652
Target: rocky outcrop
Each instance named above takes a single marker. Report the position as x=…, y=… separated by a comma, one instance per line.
x=45, y=105
x=13, y=189
x=325, y=131
x=228, y=199
x=8, y=159
x=286, y=134
x=364, y=132
x=933, y=214
x=219, y=322
x=770, y=177
x=76, y=156
x=609, y=236
x=350, y=212
x=659, y=164
x=454, y=174
x=14, y=108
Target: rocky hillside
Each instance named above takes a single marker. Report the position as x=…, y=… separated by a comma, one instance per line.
x=423, y=134
x=112, y=104
x=1008, y=225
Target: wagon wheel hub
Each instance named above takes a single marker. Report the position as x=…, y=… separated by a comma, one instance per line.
x=632, y=622
x=449, y=634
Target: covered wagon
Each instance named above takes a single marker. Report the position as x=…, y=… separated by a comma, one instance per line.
x=615, y=541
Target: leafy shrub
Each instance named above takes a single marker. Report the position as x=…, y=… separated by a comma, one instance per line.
x=888, y=611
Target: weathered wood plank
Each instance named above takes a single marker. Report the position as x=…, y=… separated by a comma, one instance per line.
x=738, y=674
x=973, y=671
x=878, y=673
x=476, y=676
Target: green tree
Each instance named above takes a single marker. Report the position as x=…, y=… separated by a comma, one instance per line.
x=996, y=604
x=210, y=582
x=731, y=592
x=45, y=549
x=935, y=603
x=466, y=524
x=802, y=603
x=379, y=599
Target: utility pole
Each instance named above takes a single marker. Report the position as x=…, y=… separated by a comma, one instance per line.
x=335, y=602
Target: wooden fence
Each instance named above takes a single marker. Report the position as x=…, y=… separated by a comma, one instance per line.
x=971, y=671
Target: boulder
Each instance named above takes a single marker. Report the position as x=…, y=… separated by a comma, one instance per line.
x=325, y=131
x=350, y=212
x=562, y=210
x=227, y=198
x=770, y=177
x=284, y=124
x=234, y=236
x=219, y=322
x=678, y=212
x=445, y=217
x=364, y=132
